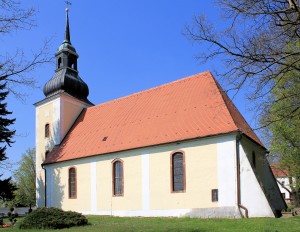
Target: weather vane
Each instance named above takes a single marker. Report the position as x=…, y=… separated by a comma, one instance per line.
x=68, y=4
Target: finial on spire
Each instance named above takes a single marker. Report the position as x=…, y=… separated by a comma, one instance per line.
x=68, y=3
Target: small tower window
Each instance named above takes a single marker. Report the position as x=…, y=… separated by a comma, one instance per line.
x=46, y=153
x=75, y=65
x=72, y=62
x=47, y=130
x=58, y=62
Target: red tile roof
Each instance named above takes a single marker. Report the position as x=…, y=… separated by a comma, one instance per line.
x=278, y=171
x=189, y=108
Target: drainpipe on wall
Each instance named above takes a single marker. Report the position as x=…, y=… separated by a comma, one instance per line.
x=45, y=185
x=238, y=175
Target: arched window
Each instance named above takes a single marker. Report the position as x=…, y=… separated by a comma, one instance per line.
x=72, y=63
x=47, y=130
x=118, y=178
x=72, y=183
x=177, y=172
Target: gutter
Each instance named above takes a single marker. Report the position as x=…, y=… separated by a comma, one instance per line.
x=45, y=185
x=238, y=177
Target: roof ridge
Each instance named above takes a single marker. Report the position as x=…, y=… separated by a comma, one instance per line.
x=151, y=89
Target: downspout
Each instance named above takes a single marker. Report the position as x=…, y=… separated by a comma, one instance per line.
x=45, y=185
x=238, y=174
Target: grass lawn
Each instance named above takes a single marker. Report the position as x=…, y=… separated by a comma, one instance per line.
x=120, y=224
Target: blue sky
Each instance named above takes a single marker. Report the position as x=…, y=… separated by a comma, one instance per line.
x=123, y=46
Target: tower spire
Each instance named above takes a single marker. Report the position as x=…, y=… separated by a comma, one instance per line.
x=66, y=78
x=67, y=30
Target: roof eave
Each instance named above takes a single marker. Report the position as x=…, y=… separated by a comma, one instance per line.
x=235, y=132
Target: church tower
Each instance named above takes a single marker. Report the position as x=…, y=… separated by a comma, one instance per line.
x=65, y=97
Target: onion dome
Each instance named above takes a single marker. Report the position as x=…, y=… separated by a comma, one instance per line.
x=66, y=78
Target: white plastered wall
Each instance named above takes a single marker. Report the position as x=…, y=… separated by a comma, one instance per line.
x=263, y=174
x=70, y=108
x=252, y=194
x=227, y=171
x=45, y=113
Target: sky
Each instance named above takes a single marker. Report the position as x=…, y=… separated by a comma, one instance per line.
x=124, y=47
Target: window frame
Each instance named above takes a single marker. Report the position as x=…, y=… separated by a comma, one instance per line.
x=69, y=183
x=113, y=178
x=215, y=195
x=171, y=172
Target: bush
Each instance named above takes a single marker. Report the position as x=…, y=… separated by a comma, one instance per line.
x=52, y=218
x=290, y=208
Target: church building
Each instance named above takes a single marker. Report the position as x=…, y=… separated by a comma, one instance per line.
x=181, y=149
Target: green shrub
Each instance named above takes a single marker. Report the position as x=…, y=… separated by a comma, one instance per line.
x=52, y=218
x=290, y=208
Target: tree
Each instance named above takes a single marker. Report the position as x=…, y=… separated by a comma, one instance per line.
x=7, y=189
x=285, y=140
x=25, y=179
x=14, y=68
x=6, y=134
x=253, y=44
x=13, y=72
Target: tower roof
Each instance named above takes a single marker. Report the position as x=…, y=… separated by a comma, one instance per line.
x=190, y=108
x=66, y=44
x=66, y=77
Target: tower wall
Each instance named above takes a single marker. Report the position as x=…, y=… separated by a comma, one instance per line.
x=60, y=113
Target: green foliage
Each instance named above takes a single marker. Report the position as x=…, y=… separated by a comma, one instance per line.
x=52, y=218
x=7, y=189
x=290, y=208
x=25, y=180
x=6, y=134
x=283, y=120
